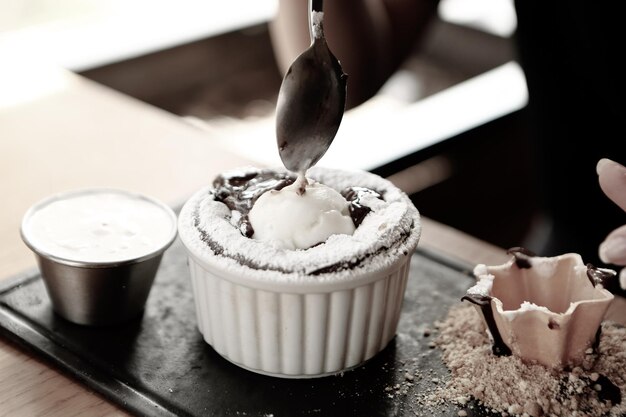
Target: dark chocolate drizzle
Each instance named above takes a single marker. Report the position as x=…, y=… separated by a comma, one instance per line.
x=608, y=390
x=357, y=210
x=596, y=342
x=553, y=325
x=600, y=276
x=355, y=263
x=240, y=190
x=522, y=257
x=219, y=249
x=499, y=348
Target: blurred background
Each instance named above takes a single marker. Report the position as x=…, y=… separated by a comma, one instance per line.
x=450, y=127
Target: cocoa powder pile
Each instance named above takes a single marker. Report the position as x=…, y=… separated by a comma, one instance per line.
x=508, y=386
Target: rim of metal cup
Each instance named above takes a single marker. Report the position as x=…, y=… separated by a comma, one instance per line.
x=99, y=264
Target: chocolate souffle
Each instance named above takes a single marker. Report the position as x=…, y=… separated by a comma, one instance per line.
x=298, y=312
x=215, y=222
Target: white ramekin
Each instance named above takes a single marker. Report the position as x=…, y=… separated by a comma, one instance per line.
x=298, y=332
x=302, y=326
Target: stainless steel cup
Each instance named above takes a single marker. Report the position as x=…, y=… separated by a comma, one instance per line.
x=98, y=294
x=92, y=293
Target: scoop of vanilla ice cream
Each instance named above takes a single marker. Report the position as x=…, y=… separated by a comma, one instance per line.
x=293, y=221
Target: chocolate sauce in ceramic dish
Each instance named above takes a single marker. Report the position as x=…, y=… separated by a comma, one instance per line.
x=354, y=196
x=240, y=190
x=499, y=348
x=522, y=258
x=607, y=278
x=218, y=219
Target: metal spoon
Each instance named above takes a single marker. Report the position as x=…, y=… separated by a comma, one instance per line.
x=311, y=101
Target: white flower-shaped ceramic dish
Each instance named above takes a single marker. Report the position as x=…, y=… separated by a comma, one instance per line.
x=542, y=309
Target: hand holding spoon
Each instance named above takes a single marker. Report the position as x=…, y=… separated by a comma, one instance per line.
x=311, y=101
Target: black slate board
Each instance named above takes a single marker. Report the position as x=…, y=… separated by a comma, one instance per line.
x=159, y=365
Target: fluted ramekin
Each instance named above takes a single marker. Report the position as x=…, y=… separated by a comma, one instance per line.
x=298, y=331
x=295, y=325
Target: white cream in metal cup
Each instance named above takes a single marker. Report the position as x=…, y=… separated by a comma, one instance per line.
x=98, y=251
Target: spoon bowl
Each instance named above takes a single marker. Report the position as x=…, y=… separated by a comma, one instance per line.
x=311, y=101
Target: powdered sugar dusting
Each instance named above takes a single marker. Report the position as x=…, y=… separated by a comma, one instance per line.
x=528, y=306
x=390, y=231
x=484, y=283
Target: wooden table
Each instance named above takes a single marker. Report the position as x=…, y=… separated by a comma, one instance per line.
x=58, y=132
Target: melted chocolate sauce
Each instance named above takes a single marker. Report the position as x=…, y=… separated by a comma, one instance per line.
x=499, y=348
x=553, y=325
x=606, y=277
x=602, y=276
x=357, y=210
x=240, y=190
x=596, y=342
x=608, y=390
x=522, y=257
